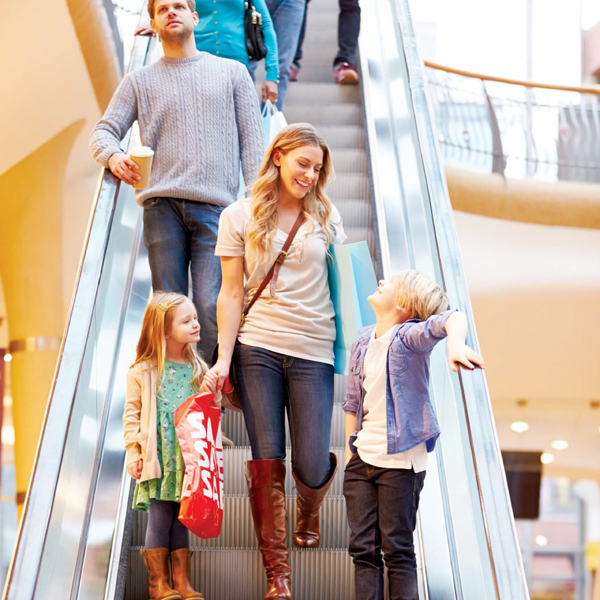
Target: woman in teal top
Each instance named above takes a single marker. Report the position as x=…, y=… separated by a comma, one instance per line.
x=220, y=31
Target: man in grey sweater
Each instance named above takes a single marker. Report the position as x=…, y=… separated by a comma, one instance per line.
x=200, y=115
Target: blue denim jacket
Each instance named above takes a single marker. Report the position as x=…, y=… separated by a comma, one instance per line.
x=410, y=416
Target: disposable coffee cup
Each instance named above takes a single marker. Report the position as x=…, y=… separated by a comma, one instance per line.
x=142, y=155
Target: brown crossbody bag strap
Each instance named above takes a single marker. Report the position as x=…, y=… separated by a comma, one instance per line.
x=276, y=265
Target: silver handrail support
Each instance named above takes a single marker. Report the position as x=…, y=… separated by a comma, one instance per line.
x=31, y=545
x=466, y=525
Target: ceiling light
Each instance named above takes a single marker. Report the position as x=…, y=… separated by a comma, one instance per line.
x=547, y=458
x=560, y=444
x=519, y=426
x=7, y=357
x=541, y=540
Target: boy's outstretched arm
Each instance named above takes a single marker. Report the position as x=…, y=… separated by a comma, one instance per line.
x=350, y=429
x=458, y=351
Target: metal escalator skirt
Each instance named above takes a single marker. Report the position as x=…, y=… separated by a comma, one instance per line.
x=467, y=535
x=68, y=525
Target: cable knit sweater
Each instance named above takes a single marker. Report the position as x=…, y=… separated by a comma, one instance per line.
x=200, y=115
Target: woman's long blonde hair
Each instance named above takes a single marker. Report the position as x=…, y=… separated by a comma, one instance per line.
x=264, y=192
x=155, y=326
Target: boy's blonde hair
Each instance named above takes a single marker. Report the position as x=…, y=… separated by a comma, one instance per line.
x=155, y=326
x=418, y=294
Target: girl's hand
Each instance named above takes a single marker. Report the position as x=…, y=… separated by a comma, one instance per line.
x=135, y=469
x=221, y=372
x=460, y=354
x=209, y=382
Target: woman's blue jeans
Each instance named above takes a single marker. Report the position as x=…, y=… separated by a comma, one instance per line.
x=269, y=384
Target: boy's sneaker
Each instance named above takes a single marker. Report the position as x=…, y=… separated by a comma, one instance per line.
x=294, y=70
x=345, y=73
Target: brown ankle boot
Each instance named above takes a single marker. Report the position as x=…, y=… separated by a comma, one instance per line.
x=267, y=498
x=157, y=560
x=306, y=534
x=180, y=564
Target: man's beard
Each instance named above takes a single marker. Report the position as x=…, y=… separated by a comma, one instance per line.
x=175, y=37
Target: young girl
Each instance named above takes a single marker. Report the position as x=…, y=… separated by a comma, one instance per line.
x=166, y=372
x=389, y=375
x=283, y=352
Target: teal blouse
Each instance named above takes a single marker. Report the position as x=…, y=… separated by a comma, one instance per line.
x=220, y=31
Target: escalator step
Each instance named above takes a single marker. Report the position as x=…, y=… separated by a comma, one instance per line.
x=355, y=213
x=325, y=114
x=352, y=186
x=322, y=93
x=239, y=575
x=238, y=528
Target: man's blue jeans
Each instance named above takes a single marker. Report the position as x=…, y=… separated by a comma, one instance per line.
x=269, y=384
x=382, y=513
x=180, y=234
x=287, y=16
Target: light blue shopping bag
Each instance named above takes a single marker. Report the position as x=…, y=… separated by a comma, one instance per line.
x=351, y=280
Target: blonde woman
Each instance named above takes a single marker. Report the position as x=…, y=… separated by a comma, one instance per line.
x=283, y=352
x=167, y=370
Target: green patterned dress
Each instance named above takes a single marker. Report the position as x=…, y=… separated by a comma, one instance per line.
x=174, y=388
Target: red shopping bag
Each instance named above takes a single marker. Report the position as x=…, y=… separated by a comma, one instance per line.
x=198, y=426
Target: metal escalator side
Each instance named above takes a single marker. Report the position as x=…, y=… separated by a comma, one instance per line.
x=466, y=529
x=70, y=514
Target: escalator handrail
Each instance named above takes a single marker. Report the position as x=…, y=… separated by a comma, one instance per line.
x=31, y=538
x=505, y=555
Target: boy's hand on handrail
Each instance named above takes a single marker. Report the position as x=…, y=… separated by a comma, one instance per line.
x=460, y=354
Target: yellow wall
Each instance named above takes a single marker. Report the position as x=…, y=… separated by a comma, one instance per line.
x=58, y=72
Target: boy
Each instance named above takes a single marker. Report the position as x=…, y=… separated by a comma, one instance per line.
x=391, y=426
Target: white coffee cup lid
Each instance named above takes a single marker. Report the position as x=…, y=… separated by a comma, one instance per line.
x=141, y=151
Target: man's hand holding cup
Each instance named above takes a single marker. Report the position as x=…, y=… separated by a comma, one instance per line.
x=124, y=168
x=134, y=168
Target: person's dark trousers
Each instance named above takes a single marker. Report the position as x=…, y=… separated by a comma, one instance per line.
x=348, y=30
x=164, y=529
x=180, y=234
x=299, y=55
x=382, y=512
x=269, y=384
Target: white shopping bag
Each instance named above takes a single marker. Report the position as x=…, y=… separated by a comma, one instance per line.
x=273, y=122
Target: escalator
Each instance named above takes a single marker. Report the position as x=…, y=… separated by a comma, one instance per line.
x=80, y=540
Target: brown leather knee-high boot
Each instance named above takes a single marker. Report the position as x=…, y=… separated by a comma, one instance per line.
x=180, y=565
x=266, y=488
x=307, y=534
x=157, y=560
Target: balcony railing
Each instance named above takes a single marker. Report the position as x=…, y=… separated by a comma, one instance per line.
x=515, y=128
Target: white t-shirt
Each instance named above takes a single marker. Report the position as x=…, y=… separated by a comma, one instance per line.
x=298, y=318
x=371, y=442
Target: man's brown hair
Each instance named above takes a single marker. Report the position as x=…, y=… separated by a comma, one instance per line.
x=151, y=3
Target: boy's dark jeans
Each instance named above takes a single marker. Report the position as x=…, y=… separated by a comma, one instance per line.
x=382, y=511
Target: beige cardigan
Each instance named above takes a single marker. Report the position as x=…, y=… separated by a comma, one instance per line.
x=139, y=419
